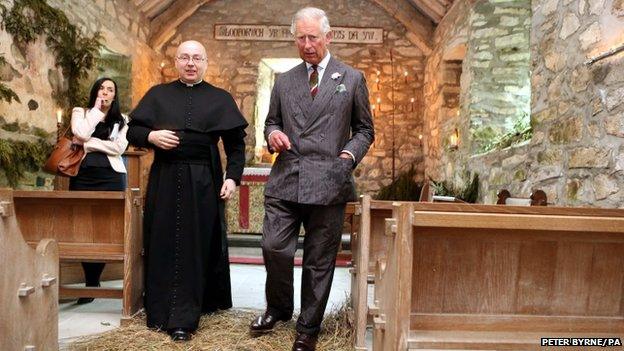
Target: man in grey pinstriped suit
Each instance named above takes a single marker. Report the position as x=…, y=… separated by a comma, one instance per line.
x=320, y=122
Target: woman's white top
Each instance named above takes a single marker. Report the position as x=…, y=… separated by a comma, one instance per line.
x=83, y=124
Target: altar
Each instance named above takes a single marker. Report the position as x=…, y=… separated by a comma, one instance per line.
x=244, y=212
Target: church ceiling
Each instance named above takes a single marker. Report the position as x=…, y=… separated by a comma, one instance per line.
x=433, y=9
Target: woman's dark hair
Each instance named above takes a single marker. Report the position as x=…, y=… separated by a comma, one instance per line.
x=114, y=113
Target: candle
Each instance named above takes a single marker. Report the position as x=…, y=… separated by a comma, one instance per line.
x=59, y=116
x=379, y=103
x=412, y=102
x=405, y=74
x=454, y=140
x=377, y=81
x=373, y=107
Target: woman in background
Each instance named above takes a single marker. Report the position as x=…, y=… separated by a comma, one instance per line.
x=101, y=130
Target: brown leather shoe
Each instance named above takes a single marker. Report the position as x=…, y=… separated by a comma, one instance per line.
x=304, y=342
x=264, y=324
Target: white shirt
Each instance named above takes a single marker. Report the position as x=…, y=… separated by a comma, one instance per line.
x=320, y=68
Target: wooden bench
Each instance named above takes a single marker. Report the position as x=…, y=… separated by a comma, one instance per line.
x=90, y=226
x=498, y=277
x=368, y=244
x=28, y=286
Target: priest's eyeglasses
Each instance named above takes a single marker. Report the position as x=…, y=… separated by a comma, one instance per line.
x=185, y=59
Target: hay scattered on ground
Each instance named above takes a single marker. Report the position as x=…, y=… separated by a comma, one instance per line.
x=222, y=331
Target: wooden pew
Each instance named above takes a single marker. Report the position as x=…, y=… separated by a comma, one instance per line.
x=28, y=286
x=368, y=244
x=498, y=277
x=96, y=226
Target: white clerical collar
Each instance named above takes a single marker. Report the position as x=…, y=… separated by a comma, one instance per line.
x=321, y=64
x=190, y=84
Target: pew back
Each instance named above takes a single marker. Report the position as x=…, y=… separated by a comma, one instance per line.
x=90, y=226
x=481, y=276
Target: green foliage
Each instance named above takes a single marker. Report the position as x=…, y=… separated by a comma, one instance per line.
x=18, y=157
x=469, y=194
x=6, y=93
x=487, y=139
x=75, y=53
x=404, y=188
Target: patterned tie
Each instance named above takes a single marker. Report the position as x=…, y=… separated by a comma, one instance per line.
x=314, y=81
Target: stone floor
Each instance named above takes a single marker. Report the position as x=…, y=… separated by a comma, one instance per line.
x=247, y=293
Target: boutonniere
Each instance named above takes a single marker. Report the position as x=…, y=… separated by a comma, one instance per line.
x=341, y=88
x=336, y=75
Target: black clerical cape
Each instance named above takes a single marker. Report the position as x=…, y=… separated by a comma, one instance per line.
x=186, y=257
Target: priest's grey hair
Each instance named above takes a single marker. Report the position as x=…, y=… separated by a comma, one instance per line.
x=311, y=13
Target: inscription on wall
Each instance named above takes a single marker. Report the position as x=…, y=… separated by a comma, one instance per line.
x=260, y=32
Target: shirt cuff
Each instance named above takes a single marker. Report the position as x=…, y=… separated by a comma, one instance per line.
x=350, y=154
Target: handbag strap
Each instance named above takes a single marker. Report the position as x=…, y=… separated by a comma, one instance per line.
x=66, y=130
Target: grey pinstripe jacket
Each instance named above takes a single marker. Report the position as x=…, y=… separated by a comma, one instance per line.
x=337, y=119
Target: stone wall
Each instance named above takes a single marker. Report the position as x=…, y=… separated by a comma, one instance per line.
x=32, y=74
x=441, y=94
x=577, y=114
x=234, y=65
x=482, y=99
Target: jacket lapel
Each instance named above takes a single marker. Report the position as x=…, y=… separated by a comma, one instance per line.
x=327, y=90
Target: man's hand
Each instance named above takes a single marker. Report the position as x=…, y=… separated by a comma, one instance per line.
x=228, y=189
x=279, y=141
x=345, y=155
x=164, y=139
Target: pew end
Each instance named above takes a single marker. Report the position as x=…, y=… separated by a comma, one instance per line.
x=28, y=288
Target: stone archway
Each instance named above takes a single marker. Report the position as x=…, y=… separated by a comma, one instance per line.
x=421, y=28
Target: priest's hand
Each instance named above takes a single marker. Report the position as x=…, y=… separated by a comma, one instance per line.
x=279, y=141
x=164, y=139
x=228, y=189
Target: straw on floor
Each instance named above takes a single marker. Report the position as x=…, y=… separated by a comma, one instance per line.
x=222, y=331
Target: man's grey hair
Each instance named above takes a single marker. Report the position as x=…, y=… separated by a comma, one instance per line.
x=311, y=13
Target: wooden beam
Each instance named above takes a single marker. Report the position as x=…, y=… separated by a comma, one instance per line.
x=445, y=3
x=415, y=22
x=158, y=9
x=432, y=9
x=163, y=26
x=149, y=5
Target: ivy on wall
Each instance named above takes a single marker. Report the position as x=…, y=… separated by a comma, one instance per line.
x=18, y=157
x=487, y=139
x=75, y=53
x=6, y=93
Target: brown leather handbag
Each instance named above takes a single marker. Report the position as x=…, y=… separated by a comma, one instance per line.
x=65, y=158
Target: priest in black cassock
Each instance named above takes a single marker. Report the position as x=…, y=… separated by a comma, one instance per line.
x=186, y=257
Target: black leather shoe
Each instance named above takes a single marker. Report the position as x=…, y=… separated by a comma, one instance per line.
x=304, y=342
x=179, y=334
x=265, y=324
